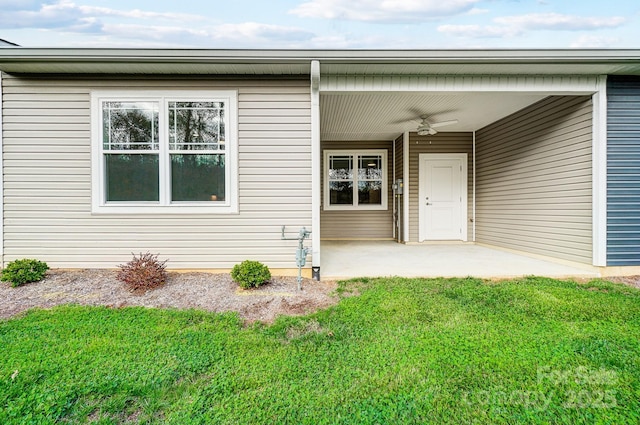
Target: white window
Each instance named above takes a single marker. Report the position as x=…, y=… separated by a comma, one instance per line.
x=355, y=179
x=164, y=152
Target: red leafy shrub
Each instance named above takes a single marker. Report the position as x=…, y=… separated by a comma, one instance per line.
x=143, y=273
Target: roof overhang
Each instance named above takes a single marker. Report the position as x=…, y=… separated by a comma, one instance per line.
x=21, y=60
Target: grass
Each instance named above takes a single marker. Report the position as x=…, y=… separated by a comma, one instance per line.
x=532, y=350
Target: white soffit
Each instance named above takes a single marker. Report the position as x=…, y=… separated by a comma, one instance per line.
x=479, y=69
x=385, y=115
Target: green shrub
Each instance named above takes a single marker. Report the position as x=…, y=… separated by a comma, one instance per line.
x=23, y=271
x=249, y=274
x=143, y=273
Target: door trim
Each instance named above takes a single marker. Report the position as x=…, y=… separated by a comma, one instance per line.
x=463, y=158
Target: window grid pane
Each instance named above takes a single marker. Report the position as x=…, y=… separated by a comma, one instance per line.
x=196, y=126
x=370, y=192
x=341, y=193
x=341, y=180
x=370, y=167
x=340, y=167
x=370, y=180
x=132, y=177
x=130, y=126
x=197, y=177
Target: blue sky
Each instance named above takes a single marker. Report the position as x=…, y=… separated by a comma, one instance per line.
x=322, y=24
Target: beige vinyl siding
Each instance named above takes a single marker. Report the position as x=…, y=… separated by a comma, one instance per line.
x=399, y=173
x=443, y=142
x=47, y=178
x=358, y=224
x=533, y=180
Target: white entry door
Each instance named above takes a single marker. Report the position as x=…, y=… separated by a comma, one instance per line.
x=442, y=197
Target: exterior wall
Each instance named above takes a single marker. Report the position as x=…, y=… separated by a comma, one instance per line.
x=533, y=180
x=375, y=224
x=443, y=142
x=623, y=171
x=398, y=157
x=47, y=178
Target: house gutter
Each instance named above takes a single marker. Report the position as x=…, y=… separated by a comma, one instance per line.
x=350, y=55
x=315, y=164
x=1, y=179
x=296, y=62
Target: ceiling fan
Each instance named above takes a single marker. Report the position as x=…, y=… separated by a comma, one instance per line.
x=429, y=128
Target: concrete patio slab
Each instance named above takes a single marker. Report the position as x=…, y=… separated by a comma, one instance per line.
x=346, y=259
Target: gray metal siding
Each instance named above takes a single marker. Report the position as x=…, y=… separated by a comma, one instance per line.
x=443, y=142
x=47, y=178
x=533, y=180
x=375, y=224
x=623, y=171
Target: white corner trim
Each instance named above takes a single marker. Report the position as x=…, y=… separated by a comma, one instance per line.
x=405, y=181
x=473, y=213
x=599, y=173
x=316, y=172
x=1, y=180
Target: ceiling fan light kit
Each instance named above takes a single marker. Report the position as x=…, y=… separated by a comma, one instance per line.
x=429, y=129
x=426, y=131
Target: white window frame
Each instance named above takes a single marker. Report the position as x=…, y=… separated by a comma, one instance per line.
x=355, y=153
x=164, y=205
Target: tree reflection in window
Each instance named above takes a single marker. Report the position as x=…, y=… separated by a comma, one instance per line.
x=196, y=126
x=130, y=125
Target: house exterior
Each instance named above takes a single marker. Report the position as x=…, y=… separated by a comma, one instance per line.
x=203, y=155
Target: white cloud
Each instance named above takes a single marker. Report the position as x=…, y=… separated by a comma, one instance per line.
x=477, y=11
x=556, y=21
x=392, y=11
x=137, y=14
x=478, y=31
x=113, y=26
x=253, y=31
x=153, y=32
x=20, y=4
x=511, y=26
x=592, y=41
x=226, y=35
x=65, y=13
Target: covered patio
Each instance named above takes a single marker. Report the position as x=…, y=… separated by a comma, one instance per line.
x=508, y=185
x=347, y=259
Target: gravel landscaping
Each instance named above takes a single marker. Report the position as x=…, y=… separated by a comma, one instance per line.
x=199, y=290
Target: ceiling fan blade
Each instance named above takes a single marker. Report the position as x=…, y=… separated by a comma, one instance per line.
x=443, y=123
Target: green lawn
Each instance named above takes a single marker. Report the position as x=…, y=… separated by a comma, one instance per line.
x=454, y=351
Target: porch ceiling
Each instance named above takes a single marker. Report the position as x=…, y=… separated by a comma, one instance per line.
x=351, y=116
